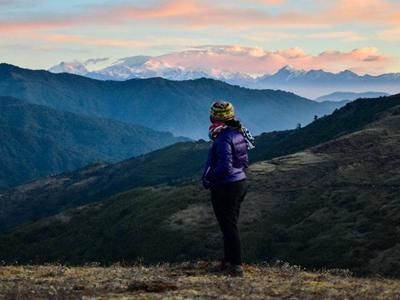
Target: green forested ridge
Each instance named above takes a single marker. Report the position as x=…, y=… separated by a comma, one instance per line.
x=38, y=141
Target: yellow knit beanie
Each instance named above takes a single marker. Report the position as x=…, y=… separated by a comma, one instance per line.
x=222, y=111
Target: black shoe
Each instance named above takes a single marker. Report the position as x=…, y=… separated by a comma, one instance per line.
x=222, y=266
x=235, y=271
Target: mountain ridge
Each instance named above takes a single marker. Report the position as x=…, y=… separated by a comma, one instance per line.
x=39, y=141
x=180, y=107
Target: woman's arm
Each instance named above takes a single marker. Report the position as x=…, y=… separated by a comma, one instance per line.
x=204, y=178
x=223, y=151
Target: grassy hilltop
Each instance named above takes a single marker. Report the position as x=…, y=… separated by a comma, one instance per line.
x=187, y=281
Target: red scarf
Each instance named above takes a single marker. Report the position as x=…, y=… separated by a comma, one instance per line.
x=215, y=129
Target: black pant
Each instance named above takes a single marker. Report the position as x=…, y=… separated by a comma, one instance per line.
x=226, y=200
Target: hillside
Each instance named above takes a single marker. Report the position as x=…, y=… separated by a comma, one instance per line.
x=171, y=165
x=316, y=208
x=50, y=195
x=186, y=281
x=37, y=141
x=180, y=107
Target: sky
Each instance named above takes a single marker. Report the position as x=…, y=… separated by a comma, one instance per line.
x=255, y=36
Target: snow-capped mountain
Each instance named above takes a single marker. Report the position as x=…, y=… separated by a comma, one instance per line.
x=286, y=73
x=74, y=67
x=186, y=65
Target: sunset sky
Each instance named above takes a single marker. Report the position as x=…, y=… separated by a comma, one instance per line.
x=254, y=36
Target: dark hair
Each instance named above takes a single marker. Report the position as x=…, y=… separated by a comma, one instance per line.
x=234, y=123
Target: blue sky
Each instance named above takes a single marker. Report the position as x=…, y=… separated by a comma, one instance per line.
x=41, y=33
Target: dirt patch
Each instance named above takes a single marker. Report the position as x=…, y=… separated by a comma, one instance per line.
x=154, y=286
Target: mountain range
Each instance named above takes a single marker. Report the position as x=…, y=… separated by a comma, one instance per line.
x=179, y=107
x=315, y=206
x=315, y=83
x=310, y=84
x=37, y=141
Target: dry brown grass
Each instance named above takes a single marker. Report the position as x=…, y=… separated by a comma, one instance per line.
x=186, y=281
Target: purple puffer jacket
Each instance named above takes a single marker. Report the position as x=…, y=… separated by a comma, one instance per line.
x=227, y=159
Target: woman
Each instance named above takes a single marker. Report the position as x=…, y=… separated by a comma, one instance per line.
x=225, y=175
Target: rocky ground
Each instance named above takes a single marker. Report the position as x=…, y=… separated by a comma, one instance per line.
x=187, y=281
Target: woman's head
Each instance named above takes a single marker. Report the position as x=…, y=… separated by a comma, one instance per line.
x=222, y=111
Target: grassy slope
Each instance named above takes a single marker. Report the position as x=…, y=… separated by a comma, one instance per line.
x=186, y=281
x=48, y=196
x=316, y=208
x=39, y=141
x=349, y=118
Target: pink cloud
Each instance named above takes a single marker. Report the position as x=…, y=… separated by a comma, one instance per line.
x=270, y=2
x=345, y=36
x=203, y=14
x=85, y=40
x=390, y=35
x=365, y=11
x=259, y=61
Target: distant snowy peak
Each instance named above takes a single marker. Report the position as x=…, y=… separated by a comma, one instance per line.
x=288, y=73
x=81, y=68
x=74, y=67
x=347, y=74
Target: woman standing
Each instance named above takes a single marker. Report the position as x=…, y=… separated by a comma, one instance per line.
x=225, y=175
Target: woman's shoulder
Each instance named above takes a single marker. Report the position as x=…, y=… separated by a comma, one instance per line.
x=230, y=134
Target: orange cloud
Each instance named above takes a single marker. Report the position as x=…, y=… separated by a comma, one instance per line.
x=365, y=11
x=346, y=36
x=85, y=40
x=390, y=35
x=271, y=36
x=269, y=2
x=29, y=26
x=203, y=14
